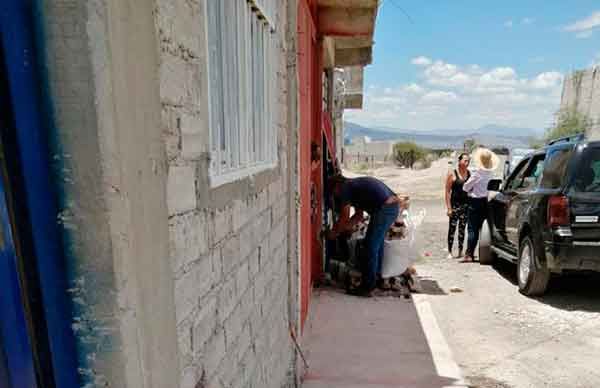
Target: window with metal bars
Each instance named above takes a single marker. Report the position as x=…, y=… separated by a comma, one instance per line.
x=243, y=88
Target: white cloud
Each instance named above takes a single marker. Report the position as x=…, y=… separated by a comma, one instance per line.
x=584, y=34
x=421, y=61
x=584, y=27
x=449, y=95
x=527, y=20
x=508, y=24
x=439, y=97
x=414, y=88
x=547, y=80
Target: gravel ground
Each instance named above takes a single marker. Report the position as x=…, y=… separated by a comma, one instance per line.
x=500, y=338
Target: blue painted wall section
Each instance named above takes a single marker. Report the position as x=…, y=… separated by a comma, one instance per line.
x=13, y=328
x=18, y=27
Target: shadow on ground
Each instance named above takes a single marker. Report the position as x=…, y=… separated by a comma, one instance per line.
x=431, y=287
x=570, y=292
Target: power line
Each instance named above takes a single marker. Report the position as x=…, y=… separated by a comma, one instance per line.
x=393, y=2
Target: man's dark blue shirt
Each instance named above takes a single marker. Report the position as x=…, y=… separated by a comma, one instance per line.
x=366, y=193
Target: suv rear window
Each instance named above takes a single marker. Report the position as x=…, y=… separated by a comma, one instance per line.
x=555, y=169
x=587, y=178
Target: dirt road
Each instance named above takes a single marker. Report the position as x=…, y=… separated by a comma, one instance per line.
x=499, y=337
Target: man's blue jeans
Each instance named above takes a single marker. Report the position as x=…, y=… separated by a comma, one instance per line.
x=380, y=222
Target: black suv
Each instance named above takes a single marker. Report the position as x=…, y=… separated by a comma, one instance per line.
x=545, y=216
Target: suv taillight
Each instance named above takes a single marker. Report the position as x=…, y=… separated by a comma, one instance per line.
x=558, y=211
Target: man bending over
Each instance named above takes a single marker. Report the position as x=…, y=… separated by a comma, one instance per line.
x=366, y=194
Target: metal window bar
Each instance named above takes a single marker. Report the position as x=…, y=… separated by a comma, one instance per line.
x=216, y=86
x=242, y=79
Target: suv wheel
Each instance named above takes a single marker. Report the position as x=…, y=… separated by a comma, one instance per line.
x=532, y=279
x=486, y=255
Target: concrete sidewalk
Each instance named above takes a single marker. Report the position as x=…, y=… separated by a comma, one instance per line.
x=353, y=342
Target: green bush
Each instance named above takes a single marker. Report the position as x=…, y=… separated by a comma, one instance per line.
x=361, y=167
x=408, y=153
x=470, y=145
x=569, y=122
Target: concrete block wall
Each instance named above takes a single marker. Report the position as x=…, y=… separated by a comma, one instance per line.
x=109, y=163
x=581, y=91
x=228, y=245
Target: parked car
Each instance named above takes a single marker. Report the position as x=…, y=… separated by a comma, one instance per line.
x=545, y=215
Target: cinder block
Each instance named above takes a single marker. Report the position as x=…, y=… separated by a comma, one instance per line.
x=244, y=343
x=180, y=25
x=242, y=278
x=233, y=327
x=221, y=222
x=217, y=265
x=277, y=237
x=275, y=191
x=230, y=254
x=279, y=210
x=242, y=213
x=205, y=322
x=179, y=81
x=227, y=298
x=260, y=283
x=253, y=261
x=181, y=189
x=262, y=225
x=194, y=136
x=188, y=238
x=214, y=352
x=193, y=284
x=170, y=133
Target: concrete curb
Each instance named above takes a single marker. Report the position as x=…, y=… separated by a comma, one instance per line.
x=440, y=351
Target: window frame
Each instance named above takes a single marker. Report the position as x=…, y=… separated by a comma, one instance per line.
x=526, y=171
x=549, y=169
x=243, y=141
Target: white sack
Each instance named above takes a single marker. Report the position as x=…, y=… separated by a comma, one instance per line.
x=398, y=255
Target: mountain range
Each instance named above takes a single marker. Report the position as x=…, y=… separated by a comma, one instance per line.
x=488, y=135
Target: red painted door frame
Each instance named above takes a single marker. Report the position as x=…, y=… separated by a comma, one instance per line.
x=307, y=40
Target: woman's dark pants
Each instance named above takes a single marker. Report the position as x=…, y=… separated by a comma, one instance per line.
x=477, y=214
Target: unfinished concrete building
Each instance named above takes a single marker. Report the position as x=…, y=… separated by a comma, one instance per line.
x=581, y=92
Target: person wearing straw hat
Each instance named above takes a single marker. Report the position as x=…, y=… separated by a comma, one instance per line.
x=477, y=189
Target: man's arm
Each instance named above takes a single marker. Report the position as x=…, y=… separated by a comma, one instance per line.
x=345, y=223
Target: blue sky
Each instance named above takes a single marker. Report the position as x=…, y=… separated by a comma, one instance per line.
x=464, y=64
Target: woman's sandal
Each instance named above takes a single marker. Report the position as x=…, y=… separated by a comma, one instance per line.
x=467, y=259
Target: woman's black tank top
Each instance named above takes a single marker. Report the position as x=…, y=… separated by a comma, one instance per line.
x=458, y=195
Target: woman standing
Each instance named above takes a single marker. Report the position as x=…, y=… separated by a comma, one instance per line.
x=457, y=203
x=477, y=188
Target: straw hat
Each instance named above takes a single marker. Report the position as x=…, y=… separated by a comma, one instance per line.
x=486, y=159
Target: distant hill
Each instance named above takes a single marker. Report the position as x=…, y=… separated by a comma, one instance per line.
x=489, y=135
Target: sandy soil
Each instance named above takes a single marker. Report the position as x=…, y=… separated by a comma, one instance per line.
x=500, y=338
x=418, y=184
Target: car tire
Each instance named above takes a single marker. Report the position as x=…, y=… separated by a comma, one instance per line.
x=532, y=277
x=487, y=256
